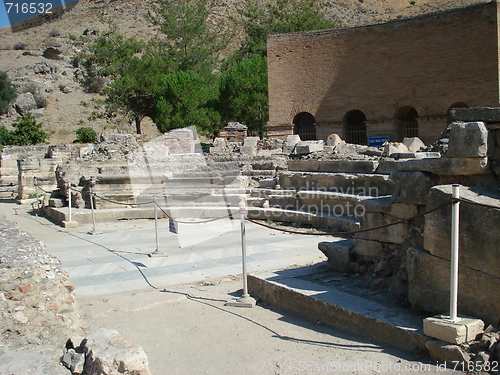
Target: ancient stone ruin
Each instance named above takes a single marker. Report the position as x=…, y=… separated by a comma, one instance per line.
x=331, y=186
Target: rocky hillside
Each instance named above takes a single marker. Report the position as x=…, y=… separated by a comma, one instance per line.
x=38, y=59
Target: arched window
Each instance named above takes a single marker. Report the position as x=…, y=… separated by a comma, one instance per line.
x=355, y=127
x=304, y=124
x=408, y=121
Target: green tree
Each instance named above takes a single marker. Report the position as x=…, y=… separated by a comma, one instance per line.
x=134, y=69
x=185, y=99
x=27, y=131
x=7, y=92
x=86, y=135
x=190, y=42
x=243, y=94
x=5, y=136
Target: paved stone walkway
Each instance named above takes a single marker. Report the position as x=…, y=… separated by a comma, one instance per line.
x=117, y=260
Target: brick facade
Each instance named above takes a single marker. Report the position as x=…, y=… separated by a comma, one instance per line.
x=428, y=63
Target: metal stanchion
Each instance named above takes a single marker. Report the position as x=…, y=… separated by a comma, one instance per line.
x=158, y=251
x=36, y=196
x=93, y=231
x=245, y=300
x=455, y=221
x=69, y=201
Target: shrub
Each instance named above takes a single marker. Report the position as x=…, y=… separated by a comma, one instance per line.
x=27, y=131
x=20, y=46
x=86, y=135
x=5, y=136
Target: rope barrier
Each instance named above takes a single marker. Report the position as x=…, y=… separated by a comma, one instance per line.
x=476, y=203
x=230, y=216
x=354, y=231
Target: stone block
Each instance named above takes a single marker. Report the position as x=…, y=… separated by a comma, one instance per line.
x=414, y=144
x=479, y=244
x=337, y=253
x=347, y=166
x=56, y=202
x=307, y=147
x=367, y=249
x=453, y=355
x=459, y=331
x=429, y=287
x=333, y=140
x=70, y=224
x=289, y=145
x=267, y=183
x=250, y=146
x=468, y=140
x=416, y=155
x=393, y=234
x=391, y=148
x=412, y=187
x=437, y=166
x=487, y=114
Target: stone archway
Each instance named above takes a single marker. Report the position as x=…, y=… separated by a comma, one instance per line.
x=355, y=127
x=407, y=118
x=304, y=124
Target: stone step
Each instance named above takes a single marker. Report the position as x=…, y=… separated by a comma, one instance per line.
x=287, y=290
x=338, y=253
x=325, y=202
x=342, y=166
x=349, y=183
x=316, y=220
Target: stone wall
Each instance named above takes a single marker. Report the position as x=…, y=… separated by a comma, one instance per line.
x=427, y=62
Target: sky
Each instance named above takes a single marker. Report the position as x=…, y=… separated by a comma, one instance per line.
x=4, y=20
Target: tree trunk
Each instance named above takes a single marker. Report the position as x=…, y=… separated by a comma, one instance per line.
x=138, y=125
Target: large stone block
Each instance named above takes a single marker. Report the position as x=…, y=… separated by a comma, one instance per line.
x=453, y=355
x=367, y=249
x=437, y=166
x=468, y=140
x=429, y=288
x=337, y=253
x=412, y=187
x=487, y=114
x=290, y=143
x=414, y=144
x=479, y=240
x=459, y=331
x=393, y=234
x=306, y=147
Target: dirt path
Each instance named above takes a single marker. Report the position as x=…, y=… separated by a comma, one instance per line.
x=184, y=335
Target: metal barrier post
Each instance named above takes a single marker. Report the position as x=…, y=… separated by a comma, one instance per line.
x=36, y=196
x=158, y=251
x=455, y=214
x=245, y=300
x=91, y=183
x=69, y=201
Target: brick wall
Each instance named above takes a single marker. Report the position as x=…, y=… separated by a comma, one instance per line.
x=427, y=62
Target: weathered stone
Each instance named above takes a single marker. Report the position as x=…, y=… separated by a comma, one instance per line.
x=250, y=146
x=429, y=287
x=413, y=144
x=307, y=147
x=289, y=145
x=412, y=187
x=267, y=183
x=487, y=114
x=52, y=53
x=458, y=331
x=394, y=234
x=450, y=353
x=366, y=249
x=416, y=155
x=437, y=166
x=333, y=140
x=106, y=352
x=56, y=202
x=394, y=148
x=468, y=140
x=337, y=253
x=478, y=243
x=24, y=103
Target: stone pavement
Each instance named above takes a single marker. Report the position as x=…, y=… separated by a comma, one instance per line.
x=117, y=260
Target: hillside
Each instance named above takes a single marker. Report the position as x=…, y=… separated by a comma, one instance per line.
x=67, y=107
